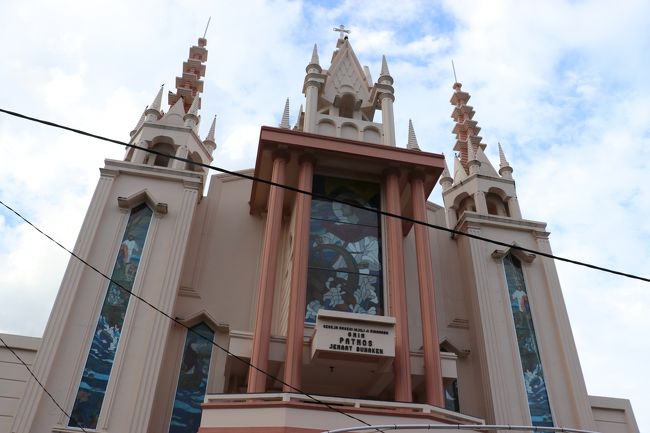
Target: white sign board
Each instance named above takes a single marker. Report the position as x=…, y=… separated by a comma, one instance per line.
x=355, y=334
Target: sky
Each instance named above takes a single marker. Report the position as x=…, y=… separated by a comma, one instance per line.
x=562, y=85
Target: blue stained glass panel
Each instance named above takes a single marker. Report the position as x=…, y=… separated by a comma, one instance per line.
x=344, y=267
x=531, y=363
x=362, y=193
x=192, y=380
x=103, y=348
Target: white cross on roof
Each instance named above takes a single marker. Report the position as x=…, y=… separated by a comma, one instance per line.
x=342, y=31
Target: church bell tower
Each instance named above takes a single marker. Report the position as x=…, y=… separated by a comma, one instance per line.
x=102, y=350
x=523, y=340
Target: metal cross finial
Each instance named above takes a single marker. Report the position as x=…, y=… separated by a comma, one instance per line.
x=342, y=31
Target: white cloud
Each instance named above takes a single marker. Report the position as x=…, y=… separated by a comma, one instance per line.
x=560, y=84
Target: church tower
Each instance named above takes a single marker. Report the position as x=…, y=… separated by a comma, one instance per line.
x=102, y=349
x=339, y=266
x=341, y=101
x=522, y=336
x=305, y=294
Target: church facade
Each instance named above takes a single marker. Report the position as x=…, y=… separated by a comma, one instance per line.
x=318, y=306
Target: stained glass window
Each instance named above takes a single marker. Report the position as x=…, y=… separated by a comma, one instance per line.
x=531, y=363
x=103, y=348
x=192, y=380
x=345, y=266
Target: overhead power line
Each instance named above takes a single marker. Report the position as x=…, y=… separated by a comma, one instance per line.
x=31, y=373
x=173, y=319
x=290, y=188
x=320, y=196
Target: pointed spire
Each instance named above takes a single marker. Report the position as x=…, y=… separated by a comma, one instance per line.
x=459, y=171
x=384, y=76
x=209, y=141
x=314, y=56
x=153, y=112
x=445, y=178
x=284, y=123
x=384, y=66
x=505, y=170
x=189, y=85
x=155, y=105
x=485, y=166
x=194, y=108
x=465, y=127
x=502, y=157
x=177, y=108
x=314, y=63
x=176, y=115
x=412, y=139
x=298, y=126
x=210, y=136
x=140, y=122
x=192, y=118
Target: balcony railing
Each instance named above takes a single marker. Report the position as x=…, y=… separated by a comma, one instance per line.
x=290, y=411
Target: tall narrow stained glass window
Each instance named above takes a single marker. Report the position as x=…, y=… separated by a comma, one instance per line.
x=103, y=348
x=192, y=380
x=345, y=265
x=531, y=363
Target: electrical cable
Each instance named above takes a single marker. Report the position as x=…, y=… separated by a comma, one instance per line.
x=174, y=319
x=319, y=196
x=290, y=188
x=40, y=384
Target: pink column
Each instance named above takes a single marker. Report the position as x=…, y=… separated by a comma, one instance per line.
x=266, y=282
x=395, y=258
x=432, y=368
x=296, y=323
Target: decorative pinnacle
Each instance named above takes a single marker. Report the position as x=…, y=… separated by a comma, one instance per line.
x=445, y=172
x=284, y=123
x=155, y=105
x=502, y=157
x=140, y=122
x=384, y=66
x=300, y=112
x=314, y=56
x=445, y=178
x=210, y=136
x=504, y=166
x=412, y=139
x=194, y=108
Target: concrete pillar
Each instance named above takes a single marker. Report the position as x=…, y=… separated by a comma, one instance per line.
x=266, y=282
x=480, y=203
x=311, y=107
x=298, y=294
x=396, y=285
x=182, y=152
x=513, y=208
x=432, y=366
x=140, y=154
x=388, y=119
